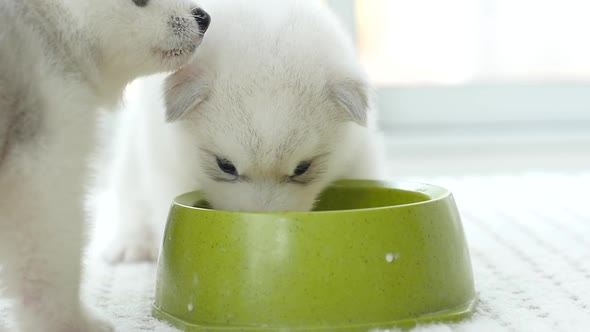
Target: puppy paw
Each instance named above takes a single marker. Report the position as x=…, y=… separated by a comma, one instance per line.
x=130, y=249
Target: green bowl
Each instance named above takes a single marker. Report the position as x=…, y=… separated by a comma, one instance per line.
x=372, y=254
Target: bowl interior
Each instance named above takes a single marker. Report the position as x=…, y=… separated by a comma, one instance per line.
x=365, y=197
x=342, y=196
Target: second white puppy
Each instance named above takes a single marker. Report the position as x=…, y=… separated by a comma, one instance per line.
x=60, y=61
x=274, y=108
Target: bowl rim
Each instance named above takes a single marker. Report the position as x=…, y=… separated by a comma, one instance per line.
x=432, y=192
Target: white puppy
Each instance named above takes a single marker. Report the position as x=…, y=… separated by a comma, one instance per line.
x=273, y=109
x=60, y=60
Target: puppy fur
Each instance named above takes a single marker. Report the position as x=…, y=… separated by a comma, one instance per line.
x=275, y=96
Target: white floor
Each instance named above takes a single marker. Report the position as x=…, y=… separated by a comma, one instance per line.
x=525, y=205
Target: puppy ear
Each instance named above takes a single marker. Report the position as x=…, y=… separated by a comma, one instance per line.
x=183, y=91
x=353, y=95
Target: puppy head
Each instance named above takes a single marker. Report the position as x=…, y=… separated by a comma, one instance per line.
x=139, y=37
x=266, y=145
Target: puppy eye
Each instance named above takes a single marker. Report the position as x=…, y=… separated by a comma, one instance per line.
x=226, y=166
x=302, y=168
x=140, y=3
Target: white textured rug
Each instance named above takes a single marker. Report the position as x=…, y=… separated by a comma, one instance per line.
x=529, y=237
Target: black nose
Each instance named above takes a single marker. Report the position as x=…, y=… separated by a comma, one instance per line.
x=203, y=19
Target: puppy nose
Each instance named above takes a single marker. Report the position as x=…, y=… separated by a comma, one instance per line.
x=203, y=19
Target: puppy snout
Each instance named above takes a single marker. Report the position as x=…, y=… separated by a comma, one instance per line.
x=203, y=19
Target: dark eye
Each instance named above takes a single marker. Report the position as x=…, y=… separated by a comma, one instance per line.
x=226, y=166
x=302, y=168
x=141, y=3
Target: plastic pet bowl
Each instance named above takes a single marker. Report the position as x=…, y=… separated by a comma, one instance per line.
x=371, y=255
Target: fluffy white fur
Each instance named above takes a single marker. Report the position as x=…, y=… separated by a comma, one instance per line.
x=275, y=84
x=60, y=60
